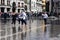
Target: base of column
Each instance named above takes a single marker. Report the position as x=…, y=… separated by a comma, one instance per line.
x=5, y=10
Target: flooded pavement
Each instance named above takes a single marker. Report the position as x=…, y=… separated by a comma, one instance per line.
x=34, y=32
x=55, y=30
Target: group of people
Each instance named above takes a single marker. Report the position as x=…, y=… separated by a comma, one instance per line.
x=21, y=17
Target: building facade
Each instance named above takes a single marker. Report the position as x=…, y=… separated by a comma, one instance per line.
x=54, y=6
x=6, y=5
x=44, y=5
x=34, y=5
x=39, y=5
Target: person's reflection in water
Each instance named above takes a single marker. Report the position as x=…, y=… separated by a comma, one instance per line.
x=13, y=18
x=3, y=21
x=23, y=36
x=45, y=29
x=14, y=29
x=23, y=19
x=19, y=29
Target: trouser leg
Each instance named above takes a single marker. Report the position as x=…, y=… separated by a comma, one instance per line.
x=45, y=21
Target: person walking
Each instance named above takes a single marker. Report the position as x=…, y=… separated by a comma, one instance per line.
x=24, y=19
x=19, y=18
x=45, y=16
x=13, y=18
x=5, y=16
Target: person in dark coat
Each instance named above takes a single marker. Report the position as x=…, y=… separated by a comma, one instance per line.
x=14, y=18
x=5, y=16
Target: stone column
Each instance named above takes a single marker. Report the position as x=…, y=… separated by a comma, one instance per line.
x=10, y=9
x=16, y=10
x=5, y=10
x=5, y=2
x=50, y=6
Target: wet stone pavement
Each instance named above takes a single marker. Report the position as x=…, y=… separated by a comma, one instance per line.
x=55, y=30
x=34, y=32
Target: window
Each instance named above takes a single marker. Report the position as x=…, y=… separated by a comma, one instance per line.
x=8, y=2
x=25, y=7
x=18, y=10
x=43, y=1
x=58, y=3
x=3, y=2
x=22, y=4
x=37, y=0
x=25, y=1
x=18, y=4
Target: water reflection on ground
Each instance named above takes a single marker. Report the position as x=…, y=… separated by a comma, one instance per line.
x=10, y=32
x=34, y=32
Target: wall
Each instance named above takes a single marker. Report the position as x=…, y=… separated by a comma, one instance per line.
x=33, y=5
